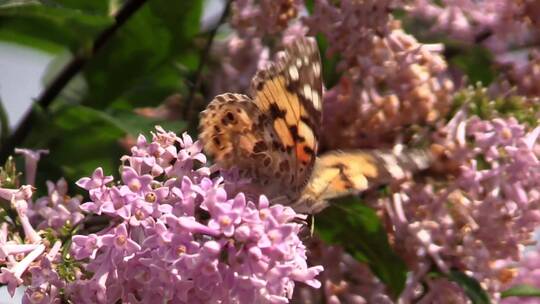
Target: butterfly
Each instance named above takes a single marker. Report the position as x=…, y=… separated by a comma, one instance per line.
x=271, y=137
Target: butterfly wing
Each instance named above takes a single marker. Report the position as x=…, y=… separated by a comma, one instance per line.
x=290, y=92
x=340, y=173
x=271, y=139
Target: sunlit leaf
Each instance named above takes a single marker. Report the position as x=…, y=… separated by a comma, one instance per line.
x=521, y=290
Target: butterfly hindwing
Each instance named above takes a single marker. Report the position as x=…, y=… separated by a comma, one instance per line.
x=340, y=173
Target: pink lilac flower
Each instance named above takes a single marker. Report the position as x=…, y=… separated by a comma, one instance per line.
x=263, y=17
x=345, y=280
x=522, y=71
x=24, y=192
x=182, y=238
x=398, y=84
x=350, y=26
x=239, y=60
x=389, y=80
x=45, y=281
x=57, y=208
x=31, y=158
x=497, y=24
x=485, y=214
x=12, y=275
x=21, y=206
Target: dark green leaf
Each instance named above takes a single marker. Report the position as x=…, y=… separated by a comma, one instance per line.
x=521, y=290
x=152, y=88
x=97, y=7
x=80, y=140
x=357, y=228
x=310, y=6
x=50, y=27
x=330, y=74
x=4, y=123
x=142, y=55
x=134, y=124
x=476, y=62
x=470, y=286
x=181, y=18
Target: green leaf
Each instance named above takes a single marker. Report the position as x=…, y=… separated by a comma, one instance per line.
x=49, y=27
x=142, y=55
x=330, y=74
x=4, y=123
x=133, y=124
x=470, y=286
x=310, y=6
x=96, y=7
x=357, y=228
x=80, y=140
x=476, y=62
x=521, y=290
x=182, y=18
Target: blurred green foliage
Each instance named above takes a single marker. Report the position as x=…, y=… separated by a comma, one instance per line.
x=150, y=57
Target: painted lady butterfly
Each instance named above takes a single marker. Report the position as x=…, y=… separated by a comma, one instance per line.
x=272, y=137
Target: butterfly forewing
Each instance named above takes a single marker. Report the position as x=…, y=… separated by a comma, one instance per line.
x=290, y=92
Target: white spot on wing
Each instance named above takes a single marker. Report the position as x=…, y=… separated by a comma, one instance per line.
x=293, y=72
x=307, y=91
x=317, y=101
x=317, y=69
x=392, y=166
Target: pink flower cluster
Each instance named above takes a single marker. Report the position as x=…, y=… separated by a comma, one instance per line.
x=173, y=234
x=263, y=17
x=34, y=259
x=345, y=280
x=239, y=60
x=399, y=83
x=498, y=24
x=178, y=237
x=484, y=215
x=57, y=208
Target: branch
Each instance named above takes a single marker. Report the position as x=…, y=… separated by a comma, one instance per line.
x=67, y=73
x=189, y=106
